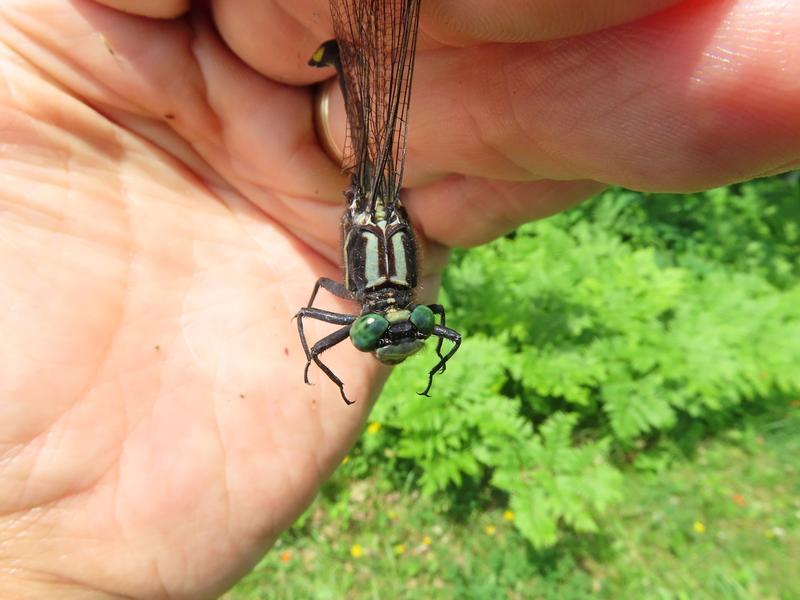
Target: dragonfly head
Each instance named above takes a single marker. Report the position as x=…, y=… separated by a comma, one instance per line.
x=394, y=335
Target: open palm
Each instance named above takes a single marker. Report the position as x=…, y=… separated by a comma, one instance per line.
x=165, y=209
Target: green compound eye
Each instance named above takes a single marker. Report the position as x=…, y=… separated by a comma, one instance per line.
x=423, y=319
x=367, y=330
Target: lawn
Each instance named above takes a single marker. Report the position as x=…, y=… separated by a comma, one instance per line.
x=723, y=523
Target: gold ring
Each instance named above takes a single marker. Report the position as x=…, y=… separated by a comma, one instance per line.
x=322, y=123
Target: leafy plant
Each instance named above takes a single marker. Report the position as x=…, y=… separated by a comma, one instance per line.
x=595, y=338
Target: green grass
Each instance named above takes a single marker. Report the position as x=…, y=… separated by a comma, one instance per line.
x=722, y=522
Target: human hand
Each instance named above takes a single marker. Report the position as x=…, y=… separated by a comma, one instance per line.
x=166, y=210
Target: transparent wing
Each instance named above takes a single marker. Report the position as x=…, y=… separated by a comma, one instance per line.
x=377, y=40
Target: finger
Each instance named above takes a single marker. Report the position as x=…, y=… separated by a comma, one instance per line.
x=697, y=96
x=470, y=21
x=277, y=38
x=467, y=211
x=155, y=9
x=255, y=133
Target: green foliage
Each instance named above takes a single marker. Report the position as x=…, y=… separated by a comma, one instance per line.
x=719, y=525
x=547, y=480
x=634, y=324
x=457, y=433
x=472, y=430
x=620, y=422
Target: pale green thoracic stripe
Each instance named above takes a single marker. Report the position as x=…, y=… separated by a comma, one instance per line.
x=372, y=270
x=399, y=253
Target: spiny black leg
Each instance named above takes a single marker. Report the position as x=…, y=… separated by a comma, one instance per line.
x=325, y=316
x=329, y=341
x=334, y=287
x=438, y=309
x=442, y=333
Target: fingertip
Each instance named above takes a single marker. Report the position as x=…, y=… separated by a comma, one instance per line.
x=154, y=9
x=459, y=22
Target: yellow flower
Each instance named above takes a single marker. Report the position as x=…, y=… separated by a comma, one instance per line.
x=426, y=541
x=346, y=459
x=774, y=532
x=374, y=427
x=286, y=556
x=490, y=530
x=400, y=549
x=356, y=551
x=508, y=515
x=699, y=527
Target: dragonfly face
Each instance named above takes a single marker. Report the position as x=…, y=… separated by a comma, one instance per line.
x=395, y=335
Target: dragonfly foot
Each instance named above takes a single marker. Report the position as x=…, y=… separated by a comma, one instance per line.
x=344, y=396
x=305, y=373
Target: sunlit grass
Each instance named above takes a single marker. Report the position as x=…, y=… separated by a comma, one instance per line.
x=723, y=524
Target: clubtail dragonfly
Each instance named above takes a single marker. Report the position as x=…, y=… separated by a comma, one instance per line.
x=373, y=54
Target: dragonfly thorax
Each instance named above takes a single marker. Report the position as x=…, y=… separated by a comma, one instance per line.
x=379, y=251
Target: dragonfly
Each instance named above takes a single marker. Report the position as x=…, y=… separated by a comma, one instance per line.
x=373, y=54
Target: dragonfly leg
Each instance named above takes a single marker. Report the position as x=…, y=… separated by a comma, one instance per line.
x=442, y=333
x=312, y=354
x=438, y=309
x=329, y=341
x=334, y=287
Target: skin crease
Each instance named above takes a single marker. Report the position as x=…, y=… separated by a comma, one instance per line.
x=165, y=209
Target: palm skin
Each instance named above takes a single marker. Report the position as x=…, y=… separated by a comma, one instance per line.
x=166, y=210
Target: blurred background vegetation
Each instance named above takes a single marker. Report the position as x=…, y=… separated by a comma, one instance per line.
x=622, y=421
